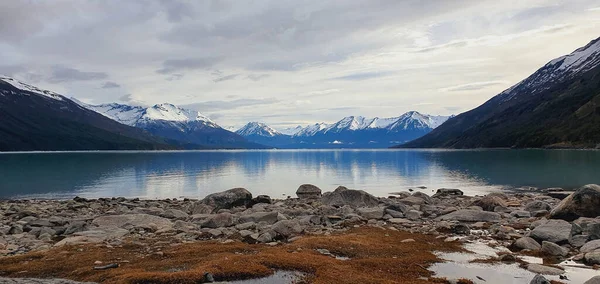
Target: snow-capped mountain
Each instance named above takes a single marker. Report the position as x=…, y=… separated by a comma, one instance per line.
x=173, y=122
x=557, y=106
x=35, y=119
x=291, y=130
x=351, y=131
x=258, y=129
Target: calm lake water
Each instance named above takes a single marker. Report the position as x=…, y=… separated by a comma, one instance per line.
x=278, y=173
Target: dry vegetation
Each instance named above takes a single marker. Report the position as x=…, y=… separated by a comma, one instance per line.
x=377, y=256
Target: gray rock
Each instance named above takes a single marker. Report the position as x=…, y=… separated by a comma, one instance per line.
x=355, y=198
x=219, y=220
x=468, y=215
x=174, y=214
x=423, y=196
x=394, y=213
x=39, y=281
x=200, y=208
x=134, y=220
x=398, y=207
x=246, y=226
x=370, y=212
x=49, y=231
x=584, y=202
x=593, y=280
x=556, y=231
x=267, y=217
x=264, y=199
x=537, y=205
x=554, y=249
x=489, y=202
x=75, y=226
x=539, y=279
x=215, y=232
x=592, y=257
x=448, y=192
x=308, y=191
x=265, y=237
x=578, y=240
x=412, y=200
x=15, y=229
x=593, y=229
x=228, y=199
x=520, y=214
x=287, y=228
x=545, y=270
x=590, y=246
x=414, y=215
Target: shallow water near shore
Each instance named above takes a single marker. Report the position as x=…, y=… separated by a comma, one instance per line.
x=278, y=173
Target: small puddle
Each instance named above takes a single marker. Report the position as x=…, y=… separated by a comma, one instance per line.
x=279, y=277
x=458, y=266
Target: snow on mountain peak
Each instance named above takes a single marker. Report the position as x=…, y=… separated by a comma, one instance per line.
x=170, y=112
x=291, y=130
x=311, y=129
x=257, y=128
x=29, y=88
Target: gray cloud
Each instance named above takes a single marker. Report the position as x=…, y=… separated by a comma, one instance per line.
x=363, y=76
x=226, y=78
x=257, y=77
x=61, y=74
x=175, y=65
x=110, y=85
x=226, y=105
x=473, y=86
x=126, y=98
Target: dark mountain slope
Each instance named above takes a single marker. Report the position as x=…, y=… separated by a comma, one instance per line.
x=557, y=106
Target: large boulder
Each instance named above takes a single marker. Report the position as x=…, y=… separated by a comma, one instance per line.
x=128, y=221
x=554, y=249
x=593, y=280
x=287, y=228
x=468, y=215
x=584, y=202
x=308, y=191
x=355, y=198
x=228, y=199
x=527, y=243
x=489, y=202
x=590, y=246
x=556, y=231
x=539, y=279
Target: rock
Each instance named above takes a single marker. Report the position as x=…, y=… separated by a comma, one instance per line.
x=39, y=281
x=308, y=191
x=246, y=226
x=370, y=212
x=593, y=229
x=412, y=200
x=461, y=229
x=215, y=232
x=398, y=207
x=287, y=228
x=539, y=279
x=554, y=249
x=537, y=205
x=448, y=192
x=228, y=199
x=520, y=214
x=468, y=215
x=407, y=241
x=592, y=257
x=355, y=198
x=556, y=231
x=545, y=270
x=134, y=220
x=261, y=199
x=593, y=280
x=578, y=240
x=200, y=208
x=174, y=214
x=423, y=196
x=590, y=246
x=78, y=240
x=489, y=202
x=394, y=213
x=584, y=202
x=268, y=217
x=507, y=258
x=414, y=215
x=265, y=237
x=75, y=226
x=219, y=220
x=15, y=229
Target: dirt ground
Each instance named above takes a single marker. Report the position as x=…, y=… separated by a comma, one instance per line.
x=376, y=256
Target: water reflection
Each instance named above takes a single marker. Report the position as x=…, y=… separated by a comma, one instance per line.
x=278, y=173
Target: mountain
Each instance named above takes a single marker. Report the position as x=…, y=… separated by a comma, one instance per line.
x=557, y=106
x=32, y=119
x=172, y=122
x=350, y=132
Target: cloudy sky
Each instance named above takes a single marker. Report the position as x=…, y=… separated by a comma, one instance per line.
x=289, y=62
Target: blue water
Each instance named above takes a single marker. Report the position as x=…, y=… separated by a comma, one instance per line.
x=278, y=173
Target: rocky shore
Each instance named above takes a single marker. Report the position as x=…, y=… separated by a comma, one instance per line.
x=548, y=223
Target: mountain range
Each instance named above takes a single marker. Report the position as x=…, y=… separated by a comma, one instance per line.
x=349, y=132
x=557, y=106
x=36, y=119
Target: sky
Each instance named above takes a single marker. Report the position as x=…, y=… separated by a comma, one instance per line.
x=289, y=63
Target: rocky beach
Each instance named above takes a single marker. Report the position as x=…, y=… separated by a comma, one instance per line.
x=314, y=235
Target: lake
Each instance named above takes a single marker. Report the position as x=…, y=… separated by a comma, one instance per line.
x=278, y=173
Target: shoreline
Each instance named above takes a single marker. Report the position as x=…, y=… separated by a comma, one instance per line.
x=516, y=220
